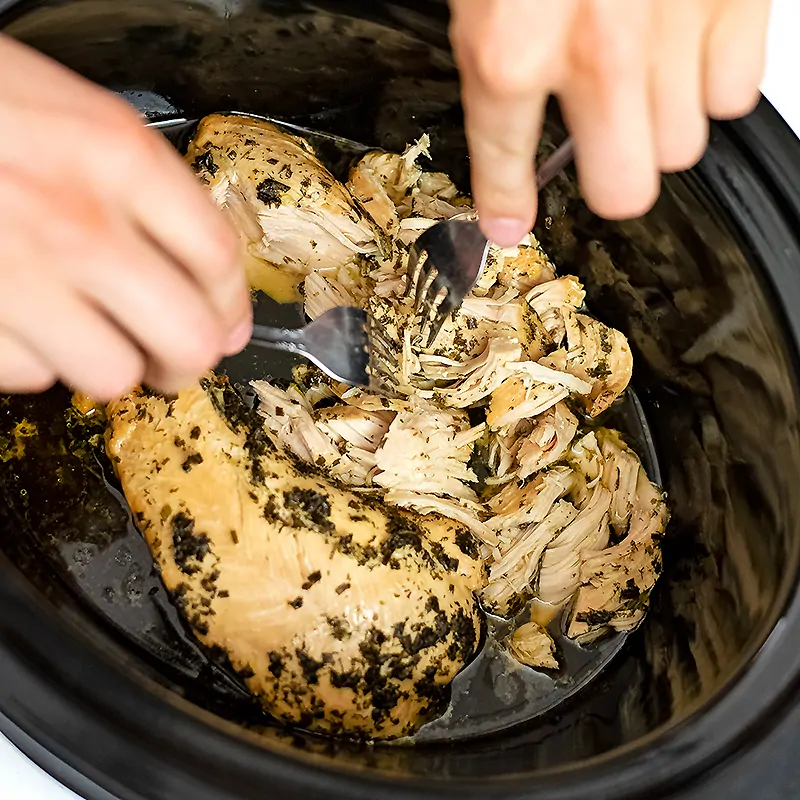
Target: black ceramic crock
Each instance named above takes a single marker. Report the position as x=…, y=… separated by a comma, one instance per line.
x=707, y=289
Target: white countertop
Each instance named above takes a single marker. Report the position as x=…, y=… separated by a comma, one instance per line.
x=22, y=780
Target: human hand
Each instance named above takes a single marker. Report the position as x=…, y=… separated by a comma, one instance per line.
x=115, y=266
x=637, y=81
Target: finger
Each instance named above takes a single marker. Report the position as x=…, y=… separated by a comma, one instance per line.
x=154, y=302
x=113, y=278
x=734, y=58
x=505, y=76
x=679, y=117
x=81, y=346
x=157, y=191
x=177, y=212
x=607, y=107
x=502, y=162
x=22, y=370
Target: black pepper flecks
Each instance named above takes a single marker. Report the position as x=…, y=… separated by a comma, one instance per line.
x=191, y=461
x=342, y=587
x=275, y=664
x=630, y=591
x=209, y=582
x=340, y=627
x=296, y=603
x=313, y=578
x=271, y=510
x=448, y=562
x=427, y=687
x=466, y=543
x=462, y=626
x=309, y=509
x=345, y=680
x=205, y=162
x=188, y=546
x=195, y=433
x=178, y=596
x=310, y=666
x=595, y=617
x=270, y=191
x=400, y=533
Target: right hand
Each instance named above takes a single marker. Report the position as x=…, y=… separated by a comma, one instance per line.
x=115, y=265
x=637, y=81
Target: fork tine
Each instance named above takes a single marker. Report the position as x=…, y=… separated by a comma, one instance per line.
x=380, y=345
x=413, y=269
x=433, y=315
x=380, y=351
x=436, y=327
x=377, y=335
x=426, y=279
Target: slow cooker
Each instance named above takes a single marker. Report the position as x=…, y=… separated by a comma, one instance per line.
x=98, y=684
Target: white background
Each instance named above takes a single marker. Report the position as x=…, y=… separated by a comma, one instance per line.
x=21, y=780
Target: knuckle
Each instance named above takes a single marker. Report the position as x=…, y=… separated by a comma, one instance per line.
x=504, y=66
x=125, y=137
x=224, y=250
x=601, y=51
x=199, y=352
x=603, y=63
x=503, y=72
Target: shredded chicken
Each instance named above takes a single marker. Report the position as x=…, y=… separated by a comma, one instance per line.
x=484, y=425
x=549, y=440
x=532, y=645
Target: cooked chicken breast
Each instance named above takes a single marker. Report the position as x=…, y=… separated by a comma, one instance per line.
x=340, y=614
x=532, y=645
x=290, y=211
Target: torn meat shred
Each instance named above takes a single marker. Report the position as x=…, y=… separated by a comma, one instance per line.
x=485, y=425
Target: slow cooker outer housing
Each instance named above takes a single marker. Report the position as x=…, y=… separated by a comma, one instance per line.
x=706, y=287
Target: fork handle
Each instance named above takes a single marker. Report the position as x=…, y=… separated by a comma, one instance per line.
x=555, y=163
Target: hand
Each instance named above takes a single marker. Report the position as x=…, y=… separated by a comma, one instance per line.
x=115, y=266
x=636, y=80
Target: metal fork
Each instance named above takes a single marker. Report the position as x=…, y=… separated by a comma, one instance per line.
x=447, y=260
x=343, y=342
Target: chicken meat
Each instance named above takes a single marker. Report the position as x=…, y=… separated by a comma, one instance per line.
x=342, y=546
x=341, y=614
x=291, y=213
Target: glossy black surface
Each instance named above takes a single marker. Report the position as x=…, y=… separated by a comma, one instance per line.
x=706, y=287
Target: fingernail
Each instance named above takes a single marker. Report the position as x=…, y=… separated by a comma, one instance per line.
x=505, y=231
x=239, y=338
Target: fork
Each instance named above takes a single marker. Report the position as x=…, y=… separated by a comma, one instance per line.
x=447, y=260
x=343, y=342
